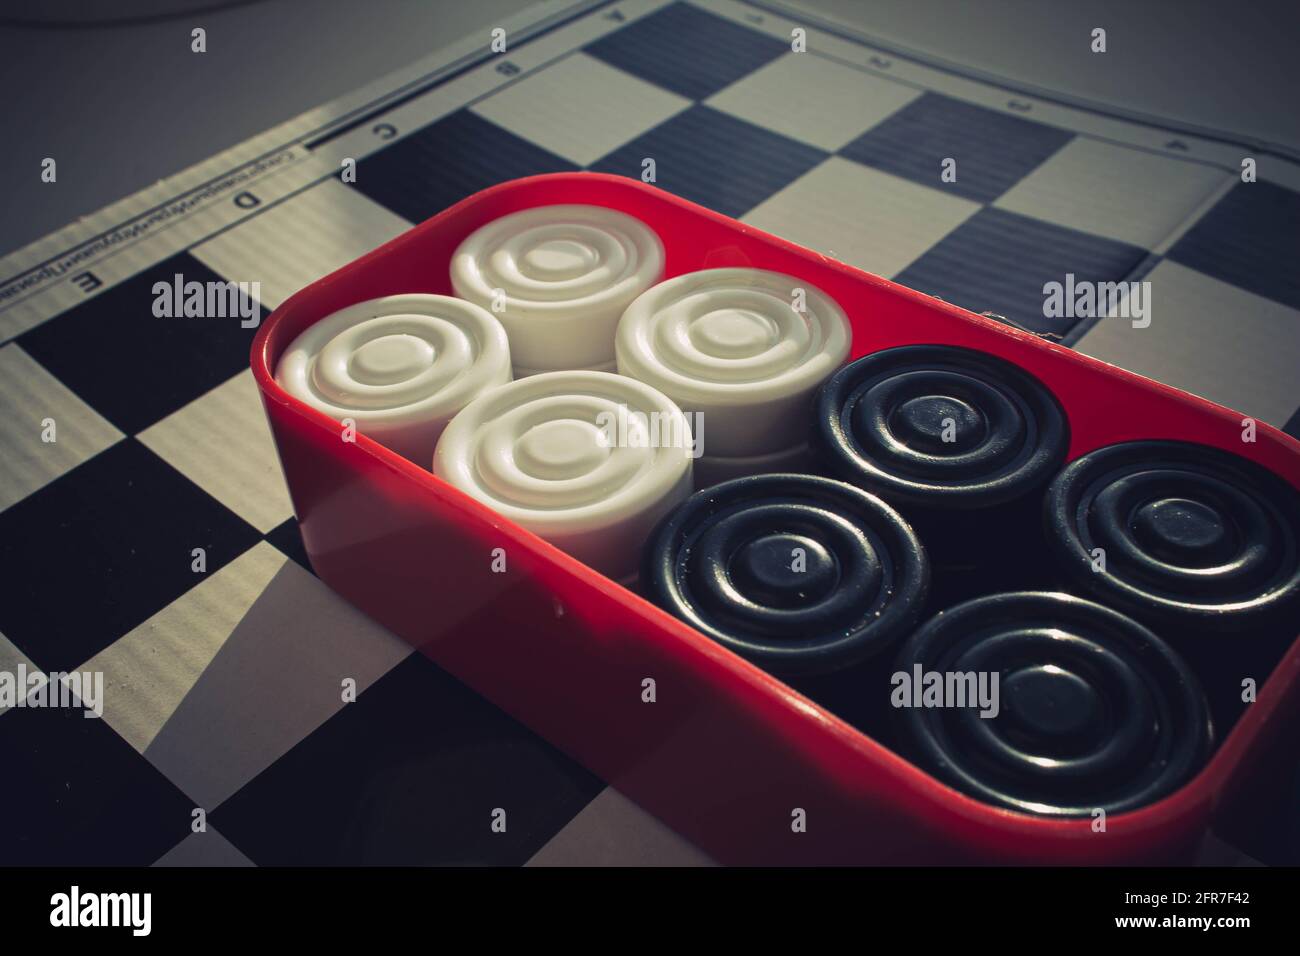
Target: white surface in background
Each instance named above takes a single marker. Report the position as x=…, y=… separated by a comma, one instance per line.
x=849, y=102
x=861, y=216
x=1138, y=198
x=267, y=62
x=28, y=396
x=580, y=108
x=1211, y=338
x=335, y=225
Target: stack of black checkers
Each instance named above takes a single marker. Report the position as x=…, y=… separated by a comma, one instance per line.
x=1053, y=638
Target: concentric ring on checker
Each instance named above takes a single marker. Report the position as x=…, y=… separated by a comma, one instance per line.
x=565, y=274
x=939, y=426
x=1094, y=711
x=588, y=460
x=399, y=366
x=745, y=347
x=1190, y=534
x=799, y=574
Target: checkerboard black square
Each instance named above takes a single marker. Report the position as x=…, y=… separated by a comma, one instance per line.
x=999, y=261
x=77, y=794
x=410, y=773
x=714, y=159
x=687, y=50
x=448, y=160
x=104, y=547
x=1270, y=834
x=287, y=537
x=1250, y=239
x=131, y=366
x=1292, y=427
x=993, y=151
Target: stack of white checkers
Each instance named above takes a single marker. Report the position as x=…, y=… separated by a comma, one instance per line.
x=508, y=390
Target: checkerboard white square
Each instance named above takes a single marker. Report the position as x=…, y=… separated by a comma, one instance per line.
x=14, y=663
x=611, y=830
x=862, y=216
x=222, y=443
x=580, y=108
x=812, y=99
x=29, y=395
x=1114, y=191
x=307, y=236
x=218, y=685
x=1211, y=338
x=208, y=848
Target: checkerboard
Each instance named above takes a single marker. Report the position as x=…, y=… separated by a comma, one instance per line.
x=226, y=670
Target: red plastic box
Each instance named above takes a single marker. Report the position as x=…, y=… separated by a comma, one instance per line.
x=727, y=752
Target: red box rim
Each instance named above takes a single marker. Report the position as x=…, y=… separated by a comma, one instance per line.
x=1206, y=788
